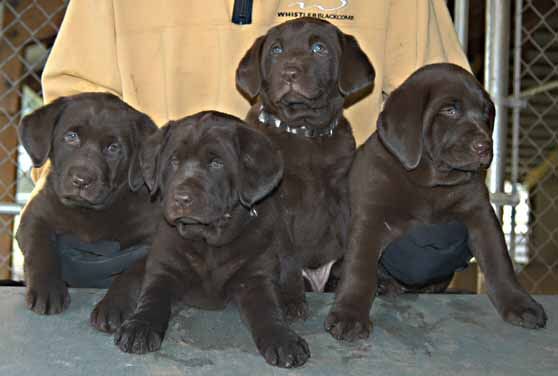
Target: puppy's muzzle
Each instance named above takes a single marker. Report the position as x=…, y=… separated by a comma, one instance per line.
x=183, y=198
x=187, y=205
x=290, y=73
x=483, y=149
x=82, y=178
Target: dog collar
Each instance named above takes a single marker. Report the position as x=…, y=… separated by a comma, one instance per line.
x=270, y=120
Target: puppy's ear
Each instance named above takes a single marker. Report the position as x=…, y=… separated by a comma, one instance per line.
x=248, y=73
x=143, y=128
x=150, y=158
x=356, y=73
x=261, y=166
x=36, y=130
x=400, y=125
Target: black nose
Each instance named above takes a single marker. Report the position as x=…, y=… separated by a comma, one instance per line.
x=290, y=73
x=183, y=198
x=81, y=181
x=481, y=147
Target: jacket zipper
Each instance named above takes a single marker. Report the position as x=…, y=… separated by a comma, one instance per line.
x=242, y=12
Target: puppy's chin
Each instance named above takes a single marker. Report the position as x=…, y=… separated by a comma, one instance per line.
x=98, y=197
x=472, y=164
x=212, y=233
x=297, y=93
x=298, y=112
x=209, y=230
x=77, y=201
x=191, y=230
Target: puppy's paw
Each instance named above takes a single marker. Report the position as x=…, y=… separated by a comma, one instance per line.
x=284, y=348
x=296, y=310
x=109, y=314
x=47, y=298
x=137, y=337
x=347, y=326
x=525, y=312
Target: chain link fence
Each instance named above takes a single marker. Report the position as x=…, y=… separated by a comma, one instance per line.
x=27, y=31
x=532, y=161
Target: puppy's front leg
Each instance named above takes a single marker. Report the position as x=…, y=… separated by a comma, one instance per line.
x=259, y=308
x=145, y=329
x=488, y=245
x=293, y=299
x=348, y=319
x=46, y=292
x=120, y=301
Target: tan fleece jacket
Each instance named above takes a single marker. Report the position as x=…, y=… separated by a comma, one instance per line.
x=171, y=58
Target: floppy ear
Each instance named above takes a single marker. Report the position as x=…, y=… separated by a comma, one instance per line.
x=400, y=125
x=261, y=166
x=143, y=128
x=248, y=73
x=150, y=158
x=356, y=73
x=36, y=130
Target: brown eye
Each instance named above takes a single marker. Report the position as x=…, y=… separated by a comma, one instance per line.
x=449, y=111
x=71, y=138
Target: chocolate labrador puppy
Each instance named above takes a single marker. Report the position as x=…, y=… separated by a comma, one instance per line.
x=302, y=73
x=426, y=164
x=93, y=191
x=212, y=246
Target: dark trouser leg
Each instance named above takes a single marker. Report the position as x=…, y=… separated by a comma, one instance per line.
x=426, y=255
x=94, y=265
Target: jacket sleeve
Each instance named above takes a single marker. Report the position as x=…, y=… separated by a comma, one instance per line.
x=84, y=56
x=419, y=32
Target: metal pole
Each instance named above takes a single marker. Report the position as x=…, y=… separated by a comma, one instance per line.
x=10, y=209
x=496, y=82
x=461, y=21
x=516, y=115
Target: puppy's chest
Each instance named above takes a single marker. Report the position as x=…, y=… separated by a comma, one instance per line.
x=215, y=266
x=314, y=163
x=129, y=224
x=437, y=204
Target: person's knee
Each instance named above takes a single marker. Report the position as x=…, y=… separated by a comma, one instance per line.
x=427, y=254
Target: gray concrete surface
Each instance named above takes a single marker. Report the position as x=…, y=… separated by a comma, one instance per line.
x=413, y=335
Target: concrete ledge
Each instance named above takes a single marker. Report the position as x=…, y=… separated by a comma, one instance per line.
x=413, y=335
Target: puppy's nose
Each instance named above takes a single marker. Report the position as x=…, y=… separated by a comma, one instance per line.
x=81, y=180
x=481, y=147
x=183, y=198
x=290, y=73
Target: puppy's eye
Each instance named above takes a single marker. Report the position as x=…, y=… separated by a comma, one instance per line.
x=113, y=148
x=173, y=161
x=71, y=138
x=216, y=163
x=449, y=111
x=318, y=48
x=276, y=50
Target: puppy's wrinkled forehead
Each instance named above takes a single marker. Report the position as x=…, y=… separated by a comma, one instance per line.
x=458, y=83
x=194, y=134
x=96, y=117
x=302, y=32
